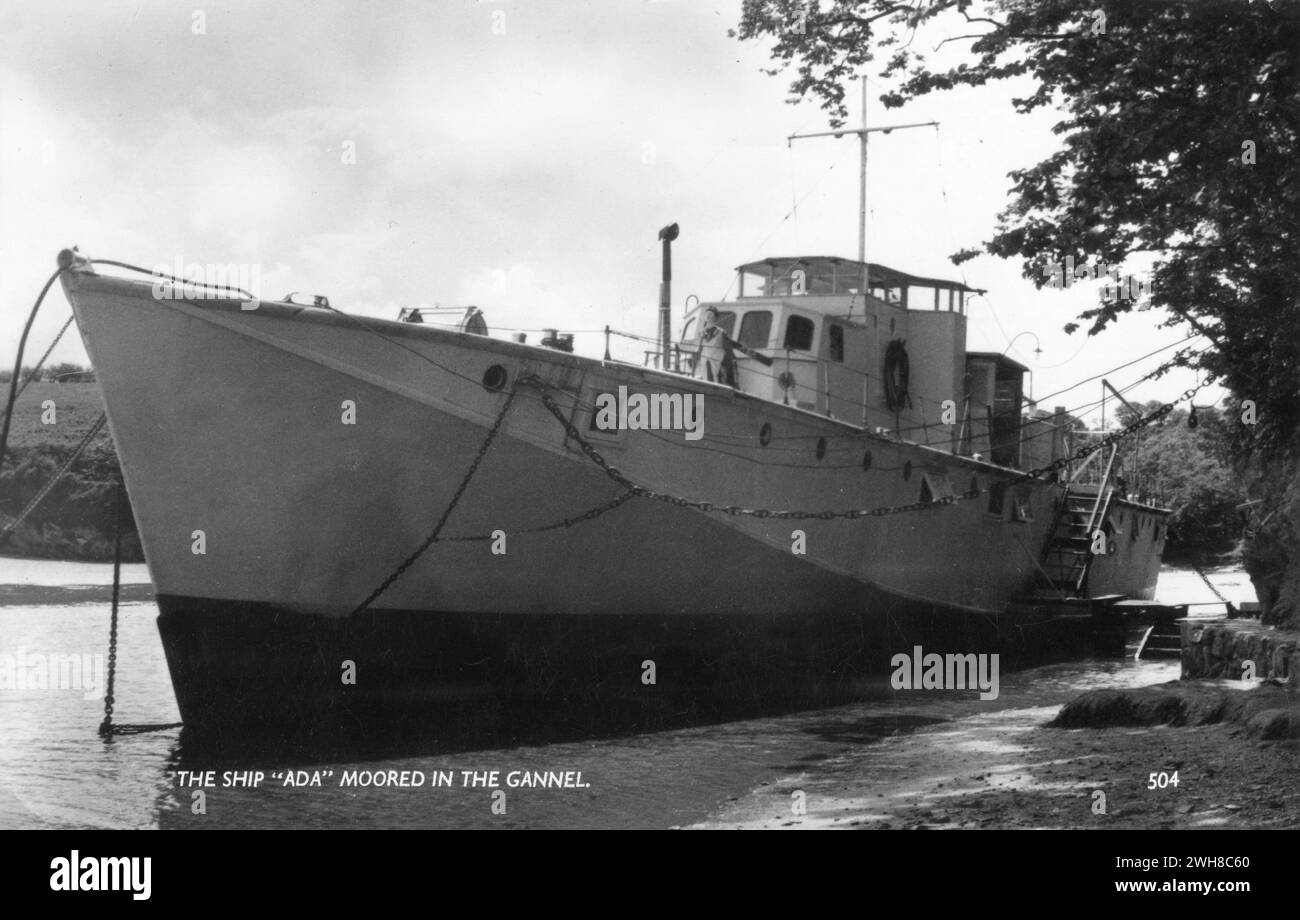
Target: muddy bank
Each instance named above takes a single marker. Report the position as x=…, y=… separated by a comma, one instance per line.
x=1231, y=747
x=1267, y=712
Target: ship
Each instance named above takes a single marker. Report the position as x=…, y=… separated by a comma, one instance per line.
x=354, y=522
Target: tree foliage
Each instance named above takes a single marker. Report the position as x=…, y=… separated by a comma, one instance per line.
x=54, y=372
x=1178, y=136
x=1189, y=470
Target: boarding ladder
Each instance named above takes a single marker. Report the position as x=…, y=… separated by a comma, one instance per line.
x=1063, y=568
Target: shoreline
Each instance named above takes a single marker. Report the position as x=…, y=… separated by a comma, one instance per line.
x=1009, y=769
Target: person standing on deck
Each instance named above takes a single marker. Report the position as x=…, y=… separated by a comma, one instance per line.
x=716, y=352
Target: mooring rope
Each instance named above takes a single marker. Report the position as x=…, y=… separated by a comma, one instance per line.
x=58, y=474
x=18, y=363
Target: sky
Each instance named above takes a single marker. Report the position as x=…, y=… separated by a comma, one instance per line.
x=519, y=155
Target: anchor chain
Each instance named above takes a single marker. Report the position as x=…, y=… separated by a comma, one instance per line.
x=1228, y=605
x=567, y=522
x=633, y=488
x=106, y=728
x=451, y=506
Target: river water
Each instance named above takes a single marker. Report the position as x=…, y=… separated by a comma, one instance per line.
x=55, y=772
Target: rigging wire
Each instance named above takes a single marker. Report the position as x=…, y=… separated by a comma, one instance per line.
x=759, y=248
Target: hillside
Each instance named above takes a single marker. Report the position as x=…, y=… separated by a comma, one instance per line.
x=76, y=520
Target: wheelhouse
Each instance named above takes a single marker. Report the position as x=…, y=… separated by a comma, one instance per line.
x=802, y=332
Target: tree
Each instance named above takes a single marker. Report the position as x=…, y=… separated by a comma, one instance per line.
x=1179, y=132
x=58, y=370
x=1188, y=470
x=1179, y=137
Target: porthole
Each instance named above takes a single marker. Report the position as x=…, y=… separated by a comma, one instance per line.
x=821, y=448
x=765, y=434
x=494, y=378
x=866, y=460
x=907, y=470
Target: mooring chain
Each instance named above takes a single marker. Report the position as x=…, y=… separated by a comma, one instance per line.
x=615, y=474
x=634, y=489
x=106, y=728
x=567, y=522
x=1087, y=449
x=451, y=506
x=1228, y=605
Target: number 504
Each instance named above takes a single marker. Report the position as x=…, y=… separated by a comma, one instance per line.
x=1162, y=780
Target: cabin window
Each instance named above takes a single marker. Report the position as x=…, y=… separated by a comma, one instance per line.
x=837, y=342
x=726, y=321
x=799, y=333
x=755, y=328
x=688, y=329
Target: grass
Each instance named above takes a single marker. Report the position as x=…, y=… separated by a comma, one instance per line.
x=76, y=406
x=78, y=518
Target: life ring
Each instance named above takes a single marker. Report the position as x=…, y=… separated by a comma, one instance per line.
x=896, y=376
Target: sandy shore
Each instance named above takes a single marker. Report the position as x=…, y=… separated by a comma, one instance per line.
x=1010, y=769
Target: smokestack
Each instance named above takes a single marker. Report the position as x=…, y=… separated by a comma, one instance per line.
x=667, y=234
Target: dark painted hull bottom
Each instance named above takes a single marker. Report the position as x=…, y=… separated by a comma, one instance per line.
x=244, y=672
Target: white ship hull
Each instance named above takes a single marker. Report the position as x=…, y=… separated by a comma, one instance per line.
x=283, y=461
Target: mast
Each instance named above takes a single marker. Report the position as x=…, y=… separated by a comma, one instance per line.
x=862, y=133
x=862, y=198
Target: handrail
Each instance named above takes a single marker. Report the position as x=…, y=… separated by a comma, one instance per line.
x=1099, y=508
x=1102, y=486
x=1087, y=566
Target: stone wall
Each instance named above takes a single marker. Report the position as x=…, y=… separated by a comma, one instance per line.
x=1220, y=648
